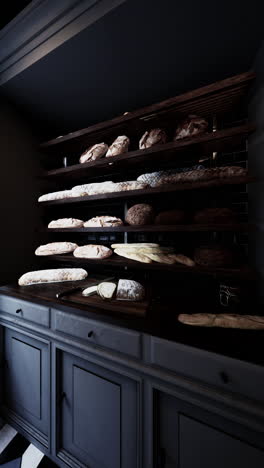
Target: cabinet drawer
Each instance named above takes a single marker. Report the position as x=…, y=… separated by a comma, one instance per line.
x=212, y=369
x=25, y=310
x=97, y=333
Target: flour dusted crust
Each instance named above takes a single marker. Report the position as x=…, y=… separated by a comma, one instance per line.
x=94, y=152
x=93, y=251
x=56, y=195
x=131, y=185
x=65, y=223
x=129, y=290
x=104, y=221
x=119, y=146
x=192, y=125
x=52, y=276
x=246, y=322
x=157, y=136
x=94, y=188
x=56, y=248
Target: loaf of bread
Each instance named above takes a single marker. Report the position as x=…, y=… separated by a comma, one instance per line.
x=170, y=217
x=202, y=176
x=192, y=125
x=214, y=216
x=140, y=214
x=56, y=196
x=160, y=258
x=104, y=221
x=133, y=255
x=94, y=152
x=106, y=290
x=131, y=185
x=95, y=188
x=156, y=136
x=56, y=248
x=179, y=258
x=129, y=290
x=153, y=178
x=217, y=256
x=245, y=322
x=92, y=251
x=136, y=245
x=52, y=276
x=65, y=223
x=119, y=146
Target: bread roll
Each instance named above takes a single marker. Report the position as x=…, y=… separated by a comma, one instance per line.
x=129, y=290
x=156, y=136
x=192, y=125
x=94, y=152
x=65, y=223
x=56, y=196
x=104, y=221
x=52, y=276
x=138, y=257
x=246, y=322
x=170, y=217
x=56, y=248
x=140, y=214
x=119, y=146
x=93, y=251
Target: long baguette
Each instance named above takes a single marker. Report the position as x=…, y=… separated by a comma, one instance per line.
x=52, y=276
x=246, y=322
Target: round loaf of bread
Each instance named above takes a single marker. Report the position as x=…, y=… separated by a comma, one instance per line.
x=94, y=152
x=215, y=256
x=140, y=214
x=93, y=251
x=192, y=125
x=129, y=290
x=157, y=136
x=214, y=216
x=170, y=217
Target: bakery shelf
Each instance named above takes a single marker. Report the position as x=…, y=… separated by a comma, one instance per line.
x=242, y=273
x=234, y=227
x=151, y=191
x=217, y=98
x=174, y=152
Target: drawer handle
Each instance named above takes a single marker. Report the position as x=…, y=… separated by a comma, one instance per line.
x=19, y=311
x=61, y=397
x=224, y=377
x=90, y=334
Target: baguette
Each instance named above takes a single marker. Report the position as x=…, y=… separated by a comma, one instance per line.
x=139, y=257
x=55, y=248
x=52, y=276
x=246, y=322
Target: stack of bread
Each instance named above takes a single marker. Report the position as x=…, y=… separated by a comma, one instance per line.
x=149, y=252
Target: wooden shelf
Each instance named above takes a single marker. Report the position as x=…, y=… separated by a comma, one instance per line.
x=173, y=152
x=150, y=191
x=242, y=273
x=217, y=98
x=234, y=227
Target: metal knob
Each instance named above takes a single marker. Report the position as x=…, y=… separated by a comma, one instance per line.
x=18, y=311
x=90, y=334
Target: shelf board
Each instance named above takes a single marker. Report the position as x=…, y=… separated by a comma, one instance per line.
x=244, y=227
x=172, y=152
x=242, y=273
x=216, y=98
x=165, y=189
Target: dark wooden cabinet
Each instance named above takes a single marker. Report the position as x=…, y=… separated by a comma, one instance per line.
x=98, y=415
x=26, y=380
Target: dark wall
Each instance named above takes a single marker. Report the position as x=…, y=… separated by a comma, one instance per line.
x=18, y=188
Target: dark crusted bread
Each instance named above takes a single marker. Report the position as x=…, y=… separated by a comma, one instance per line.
x=140, y=214
x=216, y=256
x=170, y=217
x=214, y=216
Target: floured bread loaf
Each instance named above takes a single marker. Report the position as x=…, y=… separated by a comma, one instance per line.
x=94, y=152
x=92, y=251
x=153, y=178
x=119, y=146
x=56, y=248
x=246, y=322
x=65, y=223
x=192, y=125
x=156, y=136
x=106, y=290
x=104, y=221
x=95, y=188
x=131, y=185
x=52, y=276
x=129, y=290
x=56, y=195
x=132, y=255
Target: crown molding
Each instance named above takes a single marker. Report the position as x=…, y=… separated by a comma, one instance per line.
x=43, y=26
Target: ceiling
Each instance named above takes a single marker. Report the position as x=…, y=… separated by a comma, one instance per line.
x=142, y=52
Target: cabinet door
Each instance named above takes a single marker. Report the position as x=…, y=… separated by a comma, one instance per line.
x=99, y=415
x=190, y=438
x=26, y=379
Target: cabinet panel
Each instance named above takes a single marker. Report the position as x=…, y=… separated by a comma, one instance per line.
x=26, y=386
x=99, y=415
x=25, y=310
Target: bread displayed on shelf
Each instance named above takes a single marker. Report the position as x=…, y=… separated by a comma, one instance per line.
x=131, y=185
x=55, y=248
x=56, y=275
x=103, y=221
x=140, y=214
x=107, y=187
x=153, y=178
x=156, y=136
x=65, y=223
x=130, y=290
x=94, y=152
x=133, y=255
x=136, y=245
x=214, y=216
x=147, y=253
x=55, y=196
x=106, y=290
x=119, y=146
x=244, y=322
x=170, y=217
x=215, y=256
x=92, y=251
x=191, y=126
